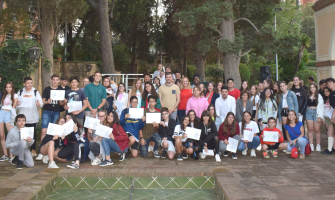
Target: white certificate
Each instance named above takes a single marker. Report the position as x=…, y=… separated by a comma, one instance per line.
x=109, y=91
x=119, y=106
x=58, y=95
x=103, y=131
x=25, y=102
x=152, y=117
x=68, y=127
x=248, y=135
x=27, y=132
x=232, y=146
x=300, y=118
x=193, y=133
x=136, y=113
x=210, y=152
x=270, y=136
x=55, y=129
x=91, y=122
x=75, y=106
x=330, y=114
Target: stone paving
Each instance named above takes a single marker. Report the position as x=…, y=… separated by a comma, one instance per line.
x=244, y=178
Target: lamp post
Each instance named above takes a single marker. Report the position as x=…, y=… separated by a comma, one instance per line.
x=35, y=53
x=276, y=10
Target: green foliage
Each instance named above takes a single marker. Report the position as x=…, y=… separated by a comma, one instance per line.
x=255, y=76
x=191, y=70
x=214, y=71
x=15, y=61
x=304, y=74
x=244, y=72
x=122, y=57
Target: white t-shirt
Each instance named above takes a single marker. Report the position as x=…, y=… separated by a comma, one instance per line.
x=179, y=132
x=256, y=101
x=284, y=103
x=252, y=126
x=7, y=102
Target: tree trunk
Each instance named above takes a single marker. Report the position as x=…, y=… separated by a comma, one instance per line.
x=299, y=57
x=105, y=38
x=185, y=59
x=47, y=33
x=200, y=61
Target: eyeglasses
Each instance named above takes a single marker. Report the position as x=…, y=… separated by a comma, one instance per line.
x=165, y=114
x=100, y=116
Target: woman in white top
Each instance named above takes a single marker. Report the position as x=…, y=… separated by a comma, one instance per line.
x=314, y=115
x=254, y=97
x=248, y=127
x=8, y=101
x=120, y=98
x=327, y=122
x=136, y=90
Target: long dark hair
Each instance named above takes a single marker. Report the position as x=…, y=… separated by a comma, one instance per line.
x=304, y=92
x=182, y=127
x=277, y=93
x=226, y=125
x=253, y=95
x=196, y=119
x=270, y=82
x=243, y=121
x=325, y=98
x=206, y=113
x=241, y=88
x=118, y=91
x=153, y=92
x=214, y=89
x=261, y=105
x=316, y=93
x=11, y=94
x=115, y=121
x=208, y=108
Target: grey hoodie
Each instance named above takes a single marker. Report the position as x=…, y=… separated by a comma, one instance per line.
x=14, y=138
x=32, y=115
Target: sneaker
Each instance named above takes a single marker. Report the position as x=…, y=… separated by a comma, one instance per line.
x=217, y=158
x=39, y=157
x=106, y=163
x=302, y=156
x=180, y=157
x=284, y=150
x=326, y=152
x=15, y=159
x=245, y=151
x=10, y=159
x=164, y=152
x=19, y=164
x=53, y=165
x=274, y=153
x=33, y=153
x=122, y=156
x=225, y=154
x=150, y=148
x=253, y=153
x=185, y=155
x=288, y=152
x=96, y=161
x=202, y=156
x=156, y=154
x=318, y=147
x=73, y=166
x=45, y=159
x=259, y=148
x=3, y=158
x=233, y=156
x=266, y=155
x=312, y=147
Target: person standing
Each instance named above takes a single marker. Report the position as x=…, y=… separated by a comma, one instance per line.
x=185, y=95
x=231, y=90
x=96, y=95
x=243, y=104
x=302, y=96
x=169, y=94
x=136, y=90
x=157, y=73
x=196, y=103
x=196, y=80
x=107, y=83
x=211, y=95
x=327, y=122
x=225, y=104
x=85, y=82
x=267, y=107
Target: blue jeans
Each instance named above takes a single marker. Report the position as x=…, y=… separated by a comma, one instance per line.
x=110, y=146
x=301, y=143
x=180, y=114
x=49, y=117
x=251, y=145
x=155, y=138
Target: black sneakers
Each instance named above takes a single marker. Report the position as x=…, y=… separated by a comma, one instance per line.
x=156, y=154
x=164, y=152
x=185, y=156
x=106, y=163
x=73, y=166
x=327, y=152
x=225, y=154
x=14, y=160
x=122, y=156
x=180, y=157
x=19, y=164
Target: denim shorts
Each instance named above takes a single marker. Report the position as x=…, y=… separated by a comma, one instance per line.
x=311, y=114
x=49, y=117
x=5, y=116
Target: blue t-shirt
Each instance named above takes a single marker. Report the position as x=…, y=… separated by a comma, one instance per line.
x=296, y=130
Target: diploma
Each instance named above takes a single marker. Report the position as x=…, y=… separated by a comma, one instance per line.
x=232, y=146
x=58, y=95
x=270, y=136
x=136, y=113
x=68, y=127
x=27, y=132
x=91, y=122
x=103, y=131
x=109, y=91
x=119, y=106
x=75, y=106
x=55, y=129
x=248, y=135
x=210, y=152
x=152, y=117
x=193, y=133
x=25, y=102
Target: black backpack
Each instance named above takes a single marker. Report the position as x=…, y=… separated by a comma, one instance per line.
x=35, y=91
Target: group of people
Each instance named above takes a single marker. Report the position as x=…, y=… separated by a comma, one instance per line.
x=220, y=112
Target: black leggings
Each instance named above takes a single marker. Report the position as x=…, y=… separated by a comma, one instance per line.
x=71, y=149
x=213, y=143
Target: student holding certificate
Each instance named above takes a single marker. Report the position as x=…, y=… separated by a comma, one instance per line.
x=228, y=129
x=19, y=148
x=165, y=130
x=183, y=147
x=272, y=146
x=194, y=120
x=248, y=127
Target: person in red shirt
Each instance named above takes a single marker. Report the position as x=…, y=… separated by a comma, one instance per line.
x=185, y=94
x=272, y=146
x=231, y=90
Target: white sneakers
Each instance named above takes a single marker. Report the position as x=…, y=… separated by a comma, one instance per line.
x=202, y=156
x=318, y=147
x=253, y=153
x=39, y=157
x=312, y=147
x=217, y=158
x=150, y=148
x=245, y=151
x=53, y=165
x=45, y=159
x=96, y=161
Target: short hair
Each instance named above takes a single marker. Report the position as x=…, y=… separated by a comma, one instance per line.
x=152, y=97
x=74, y=78
x=104, y=111
x=27, y=79
x=146, y=74
x=177, y=72
x=272, y=118
x=64, y=78
x=330, y=79
x=311, y=78
x=54, y=76
x=164, y=109
x=224, y=88
x=196, y=75
x=20, y=116
x=230, y=79
x=168, y=73
x=97, y=72
x=132, y=98
x=91, y=79
x=245, y=92
x=322, y=81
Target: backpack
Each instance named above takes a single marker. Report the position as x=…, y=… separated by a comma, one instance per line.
x=294, y=152
x=35, y=91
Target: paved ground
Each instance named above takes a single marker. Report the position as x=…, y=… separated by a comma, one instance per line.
x=244, y=178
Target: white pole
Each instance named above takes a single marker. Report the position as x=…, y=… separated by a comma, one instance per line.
x=276, y=52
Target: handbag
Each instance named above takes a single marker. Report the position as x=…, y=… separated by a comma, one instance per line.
x=307, y=148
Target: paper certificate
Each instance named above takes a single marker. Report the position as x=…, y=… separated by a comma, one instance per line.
x=103, y=131
x=91, y=122
x=248, y=135
x=55, y=129
x=109, y=91
x=193, y=133
x=232, y=146
x=136, y=113
x=75, y=106
x=27, y=132
x=270, y=136
x=68, y=127
x=57, y=95
x=119, y=106
x=25, y=102
x=210, y=152
x=152, y=117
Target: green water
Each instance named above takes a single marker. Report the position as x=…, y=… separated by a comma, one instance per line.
x=120, y=194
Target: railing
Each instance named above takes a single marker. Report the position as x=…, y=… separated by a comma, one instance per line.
x=127, y=79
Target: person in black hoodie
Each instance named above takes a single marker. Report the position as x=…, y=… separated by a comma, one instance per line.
x=165, y=130
x=302, y=96
x=209, y=136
